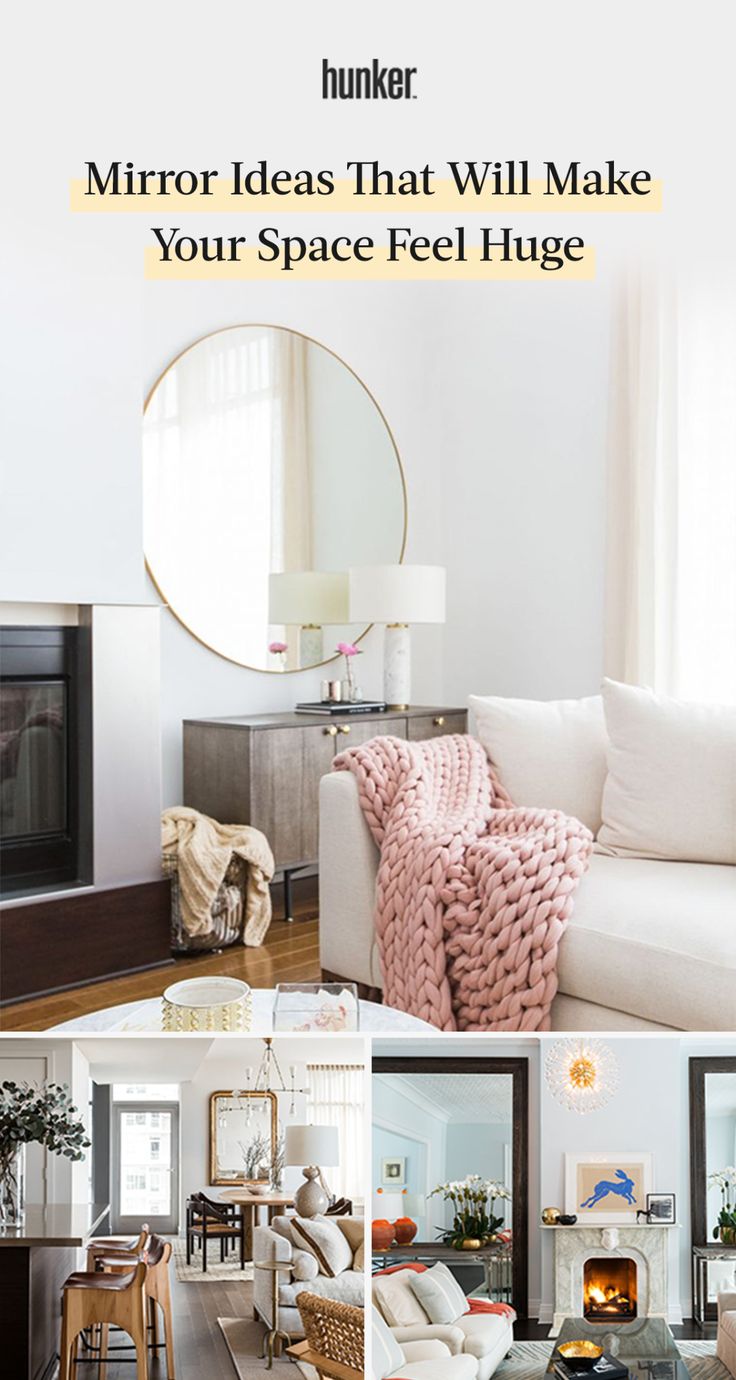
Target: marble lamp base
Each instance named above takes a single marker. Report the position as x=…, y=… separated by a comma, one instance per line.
x=311, y=645
x=397, y=666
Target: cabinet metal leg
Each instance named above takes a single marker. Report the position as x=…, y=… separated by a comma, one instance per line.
x=288, y=914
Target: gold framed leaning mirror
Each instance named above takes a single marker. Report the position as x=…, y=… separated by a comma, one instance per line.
x=243, y=1136
x=268, y=471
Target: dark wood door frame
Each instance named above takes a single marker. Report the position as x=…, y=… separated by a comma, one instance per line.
x=698, y=1068
x=518, y=1069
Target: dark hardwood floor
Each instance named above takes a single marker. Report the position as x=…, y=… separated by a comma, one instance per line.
x=529, y=1330
x=290, y=953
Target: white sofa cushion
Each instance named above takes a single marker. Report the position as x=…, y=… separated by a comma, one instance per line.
x=439, y=1294
x=671, y=785
x=349, y=1287
x=549, y=753
x=320, y=1237
x=396, y=1299
x=387, y=1354
x=439, y=1368
x=656, y=940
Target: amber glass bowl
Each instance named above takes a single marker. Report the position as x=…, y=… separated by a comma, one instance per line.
x=580, y=1355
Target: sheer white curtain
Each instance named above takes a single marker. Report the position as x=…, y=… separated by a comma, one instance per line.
x=336, y=1099
x=671, y=609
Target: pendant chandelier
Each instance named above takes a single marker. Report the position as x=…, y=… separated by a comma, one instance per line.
x=269, y=1079
x=581, y=1074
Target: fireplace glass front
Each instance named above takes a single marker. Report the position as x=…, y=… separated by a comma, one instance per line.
x=45, y=731
x=609, y=1289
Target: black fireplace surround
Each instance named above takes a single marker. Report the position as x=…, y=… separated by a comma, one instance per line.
x=45, y=759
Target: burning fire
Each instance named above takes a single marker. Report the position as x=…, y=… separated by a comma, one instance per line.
x=609, y=1295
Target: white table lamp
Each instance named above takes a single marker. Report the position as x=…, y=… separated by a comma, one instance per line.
x=311, y=1147
x=308, y=599
x=397, y=595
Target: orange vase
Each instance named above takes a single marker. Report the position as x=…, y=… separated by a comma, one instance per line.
x=382, y=1234
x=405, y=1230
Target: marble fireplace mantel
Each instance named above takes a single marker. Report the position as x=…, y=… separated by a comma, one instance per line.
x=645, y=1244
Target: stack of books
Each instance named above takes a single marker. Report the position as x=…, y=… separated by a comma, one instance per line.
x=349, y=707
x=607, y=1368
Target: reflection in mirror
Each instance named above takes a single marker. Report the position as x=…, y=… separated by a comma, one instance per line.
x=243, y=1136
x=433, y=1128
x=264, y=455
x=720, y=1151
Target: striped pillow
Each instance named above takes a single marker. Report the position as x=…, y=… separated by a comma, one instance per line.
x=324, y=1240
x=387, y=1354
x=439, y=1294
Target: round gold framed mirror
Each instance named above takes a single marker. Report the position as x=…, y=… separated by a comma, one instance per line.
x=269, y=470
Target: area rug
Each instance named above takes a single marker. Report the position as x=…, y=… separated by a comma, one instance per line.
x=244, y=1338
x=216, y=1273
x=528, y=1361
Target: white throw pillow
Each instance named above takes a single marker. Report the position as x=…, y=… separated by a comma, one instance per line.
x=396, y=1299
x=324, y=1240
x=303, y=1265
x=671, y=785
x=387, y=1354
x=548, y=753
x=439, y=1294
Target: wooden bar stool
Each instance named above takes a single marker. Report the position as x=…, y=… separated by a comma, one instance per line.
x=91, y=1298
x=117, y=1245
x=156, y=1256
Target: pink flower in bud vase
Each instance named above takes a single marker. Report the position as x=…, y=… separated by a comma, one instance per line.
x=348, y=650
x=279, y=649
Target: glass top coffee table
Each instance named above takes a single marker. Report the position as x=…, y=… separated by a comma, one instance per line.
x=646, y=1346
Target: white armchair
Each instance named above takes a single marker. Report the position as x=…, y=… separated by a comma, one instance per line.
x=726, y=1342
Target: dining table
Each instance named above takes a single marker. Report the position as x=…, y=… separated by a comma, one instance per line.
x=35, y=1259
x=273, y=1203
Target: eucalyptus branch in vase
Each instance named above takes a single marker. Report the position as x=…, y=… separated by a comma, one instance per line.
x=34, y=1115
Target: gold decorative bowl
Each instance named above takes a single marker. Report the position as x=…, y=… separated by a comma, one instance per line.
x=203, y=1004
x=580, y=1355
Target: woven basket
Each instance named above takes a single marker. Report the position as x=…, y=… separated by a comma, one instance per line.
x=333, y=1330
x=228, y=909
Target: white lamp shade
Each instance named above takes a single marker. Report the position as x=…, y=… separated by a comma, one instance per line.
x=308, y=596
x=397, y=594
x=318, y=1145
x=389, y=1205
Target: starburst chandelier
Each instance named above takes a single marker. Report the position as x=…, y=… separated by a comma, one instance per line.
x=581, y=1074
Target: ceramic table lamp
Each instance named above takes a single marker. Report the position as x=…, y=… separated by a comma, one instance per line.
x=308, y=599
x=397, y=595
x=313, y=1147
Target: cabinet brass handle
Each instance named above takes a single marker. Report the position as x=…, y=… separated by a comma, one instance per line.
x=344, y=728
x=439, y=721
x=331, y=731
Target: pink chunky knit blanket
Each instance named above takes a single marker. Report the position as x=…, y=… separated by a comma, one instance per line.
x=473, y=894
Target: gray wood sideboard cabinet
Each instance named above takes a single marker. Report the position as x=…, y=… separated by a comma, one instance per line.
x=265, y=769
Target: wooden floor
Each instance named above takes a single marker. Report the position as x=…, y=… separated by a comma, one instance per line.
x=290, y=954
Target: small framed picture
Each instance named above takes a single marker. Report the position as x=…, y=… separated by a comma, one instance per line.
x=393, y=1172
x=661, y=1208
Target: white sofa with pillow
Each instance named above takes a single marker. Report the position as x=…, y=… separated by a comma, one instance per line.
x=651, y=944
x=326, y=1255
x=427, y=1358
x=431, y=1306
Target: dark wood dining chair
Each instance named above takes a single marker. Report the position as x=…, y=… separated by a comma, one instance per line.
x=209, y=1221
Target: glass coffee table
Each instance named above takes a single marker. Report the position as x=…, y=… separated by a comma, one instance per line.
x=645, y=1346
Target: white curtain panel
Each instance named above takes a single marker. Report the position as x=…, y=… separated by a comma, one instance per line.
x=671, y=586
x=336, y=1095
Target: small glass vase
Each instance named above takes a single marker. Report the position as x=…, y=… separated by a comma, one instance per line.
x=13, y=1189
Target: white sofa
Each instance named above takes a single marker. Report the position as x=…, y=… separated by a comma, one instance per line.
x=487, y=1337
x=726, y=1343
x=275, y=1242
x=651, y=945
